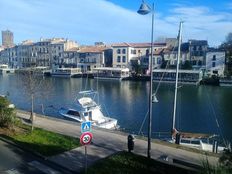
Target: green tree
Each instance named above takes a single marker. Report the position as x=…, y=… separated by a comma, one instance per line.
x=227, y=47
x=7, y=114
x=186, y=65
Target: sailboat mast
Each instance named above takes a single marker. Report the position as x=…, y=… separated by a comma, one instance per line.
x=177, y=75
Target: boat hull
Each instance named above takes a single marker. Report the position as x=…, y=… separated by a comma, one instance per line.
x=106, y=123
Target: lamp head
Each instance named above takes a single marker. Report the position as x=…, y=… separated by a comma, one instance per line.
x=144, y=9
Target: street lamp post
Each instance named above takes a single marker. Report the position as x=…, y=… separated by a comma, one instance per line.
x=143, y=10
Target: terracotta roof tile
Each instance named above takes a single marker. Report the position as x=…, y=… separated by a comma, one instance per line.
x=74, y=49
x=93, y=49
x=137, y=45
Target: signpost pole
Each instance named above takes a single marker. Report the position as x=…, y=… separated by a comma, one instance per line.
x=86, y=138
x=85, y=159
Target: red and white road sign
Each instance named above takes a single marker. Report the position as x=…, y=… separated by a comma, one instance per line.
x=86, y=138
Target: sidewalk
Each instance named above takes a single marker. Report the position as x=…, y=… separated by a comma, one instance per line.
x=106, y=143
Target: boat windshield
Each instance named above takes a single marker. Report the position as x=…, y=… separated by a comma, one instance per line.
x=75, y=113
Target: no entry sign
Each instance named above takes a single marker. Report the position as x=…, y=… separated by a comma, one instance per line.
x=86, y=138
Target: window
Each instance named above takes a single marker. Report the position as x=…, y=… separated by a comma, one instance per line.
x=159, y=60
x=124, y=51
x=213, y=64
x=133, y=51
x=146, y=60
x=118, y=51
x=147, y=52
x=200, y=63
x=124, y=59
x=195, y=142
x=119, y=59
x=214, y=57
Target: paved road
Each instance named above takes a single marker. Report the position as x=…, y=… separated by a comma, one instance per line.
x=106, y=143
x=11, y=157
x=16, y=161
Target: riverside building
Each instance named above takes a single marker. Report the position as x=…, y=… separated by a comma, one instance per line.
x=7, y=38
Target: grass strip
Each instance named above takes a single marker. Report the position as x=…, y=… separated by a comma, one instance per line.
x=42, y=141
x=125, y=162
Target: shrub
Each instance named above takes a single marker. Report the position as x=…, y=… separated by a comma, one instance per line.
x=226, y=160
x=223, y=167
x=7, y=114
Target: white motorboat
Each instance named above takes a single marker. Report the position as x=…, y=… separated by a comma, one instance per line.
x=4, y=69
x=89, y=110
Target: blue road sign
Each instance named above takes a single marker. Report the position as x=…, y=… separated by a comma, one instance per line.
x=86, y=126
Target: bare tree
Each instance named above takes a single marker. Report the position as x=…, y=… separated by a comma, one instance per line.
x=35, y=86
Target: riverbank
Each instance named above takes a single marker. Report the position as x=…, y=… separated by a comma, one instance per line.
x=108, y=142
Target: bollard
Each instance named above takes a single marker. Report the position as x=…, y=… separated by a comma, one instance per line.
x=177, y=138
x=215, y=146
x=130, y=142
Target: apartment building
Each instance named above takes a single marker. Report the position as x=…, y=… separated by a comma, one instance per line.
x=70, y=57
x=197, y=51
x=128, y=55
x=170, y=54
x=90, y=57
x=62, y=51
x=46, y=52
x=215, y=62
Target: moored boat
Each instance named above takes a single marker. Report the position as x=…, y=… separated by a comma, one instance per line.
x=89, y=110
x=179, y=137
x=66, y=72
x=4, y=69
x=185, y=76
x=111, y=73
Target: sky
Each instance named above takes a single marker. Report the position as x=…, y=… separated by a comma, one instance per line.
x=115, y=21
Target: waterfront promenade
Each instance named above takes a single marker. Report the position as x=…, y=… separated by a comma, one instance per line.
x=105, y=143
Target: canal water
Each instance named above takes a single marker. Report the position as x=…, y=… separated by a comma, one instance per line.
x=200, y=109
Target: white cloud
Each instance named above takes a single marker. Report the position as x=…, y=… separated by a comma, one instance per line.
x=87, y=21
x=202, y=23
x=84, y=20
